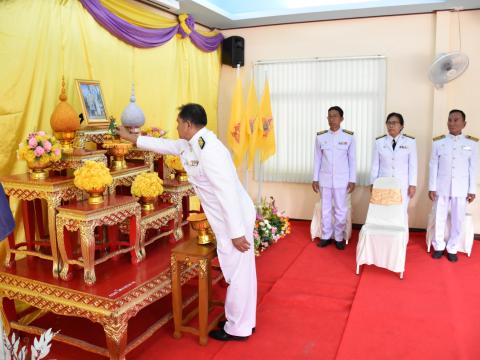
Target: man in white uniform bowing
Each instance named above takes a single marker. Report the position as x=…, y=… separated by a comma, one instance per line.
x=228, y=208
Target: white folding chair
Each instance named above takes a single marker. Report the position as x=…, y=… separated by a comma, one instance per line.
x=466, y=238
x=316, y=224
x=384, y=236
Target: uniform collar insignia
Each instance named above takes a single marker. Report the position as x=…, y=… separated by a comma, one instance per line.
x=201, y=142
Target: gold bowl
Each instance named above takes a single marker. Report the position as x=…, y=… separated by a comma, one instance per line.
x=38, y=171
x=181, y=176
x=148, y=202
x=199, y=223
x=118, y=149
x=95, y=196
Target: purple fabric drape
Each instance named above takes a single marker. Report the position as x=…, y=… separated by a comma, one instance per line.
x=146, y=38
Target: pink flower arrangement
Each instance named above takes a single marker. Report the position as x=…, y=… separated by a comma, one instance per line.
x=40, y=148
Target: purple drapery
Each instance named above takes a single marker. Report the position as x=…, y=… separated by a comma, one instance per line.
x=146, y=38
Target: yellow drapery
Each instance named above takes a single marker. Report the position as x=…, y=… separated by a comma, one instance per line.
x=42, y=40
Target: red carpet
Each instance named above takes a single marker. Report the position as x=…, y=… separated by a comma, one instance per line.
x=313, y=306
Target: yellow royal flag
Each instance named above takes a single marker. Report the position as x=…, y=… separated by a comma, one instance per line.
x=267, y=139
x=254, y=131
x=236, y=137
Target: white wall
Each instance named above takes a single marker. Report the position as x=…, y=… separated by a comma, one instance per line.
x=410, y=43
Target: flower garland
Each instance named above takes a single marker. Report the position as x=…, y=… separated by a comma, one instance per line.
x=174, y=163
x=153, y=132
x=270, y=226
x=40, y=148
x=147, y=184
x=92, y=176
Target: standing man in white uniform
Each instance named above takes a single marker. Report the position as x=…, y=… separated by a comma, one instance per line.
x=395, y=155
x=334, y=175
x=453, y=170
x=228, y=207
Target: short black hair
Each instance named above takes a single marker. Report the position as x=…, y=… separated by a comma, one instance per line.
x=458, y=111
x=337, y=108
x=397, y=115
x=194, y=113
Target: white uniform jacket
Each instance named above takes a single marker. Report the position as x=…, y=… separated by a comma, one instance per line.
x=400, y=163
x=334, y=159
x=212, y=173
x=453, y=165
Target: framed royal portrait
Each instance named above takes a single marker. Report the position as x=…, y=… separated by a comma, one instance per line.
x=93, y=105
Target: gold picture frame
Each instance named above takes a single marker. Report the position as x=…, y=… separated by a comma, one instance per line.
x=93, y=105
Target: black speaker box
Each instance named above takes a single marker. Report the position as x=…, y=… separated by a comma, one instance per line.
x=233, y=49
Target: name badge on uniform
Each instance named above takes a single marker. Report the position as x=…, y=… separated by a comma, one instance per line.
x=193, y=162
x=403, y=147
x=466, y=148
x=343, y=143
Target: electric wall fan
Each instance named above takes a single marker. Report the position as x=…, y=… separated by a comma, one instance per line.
x=447, y=67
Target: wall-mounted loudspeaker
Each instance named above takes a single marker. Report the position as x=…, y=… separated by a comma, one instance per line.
x=233, y=49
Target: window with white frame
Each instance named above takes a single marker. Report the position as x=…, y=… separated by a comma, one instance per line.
x=302, y=91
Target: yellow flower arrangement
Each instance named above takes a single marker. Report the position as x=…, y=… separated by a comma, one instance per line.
x=92, y=176
x=153, y=131
x=147, y=185
x=40, y=149
x=174, y=163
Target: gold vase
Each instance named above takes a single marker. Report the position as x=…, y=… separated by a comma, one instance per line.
x=95, y=196
x=181, y=176
x=66, y=140
x=199, y=223
x=148, y=202
x=38, y=171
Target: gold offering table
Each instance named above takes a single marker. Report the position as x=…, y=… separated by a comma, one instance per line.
x=86, y=217
x=162, y=214
x=149, y=157
x=122, y=291
x=53, y=189
x=75, y=159
x=178, y=193
x=125, y=177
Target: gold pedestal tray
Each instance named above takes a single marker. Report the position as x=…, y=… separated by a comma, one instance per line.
x=199, y=223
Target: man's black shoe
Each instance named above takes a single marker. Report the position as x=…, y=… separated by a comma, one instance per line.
x=437, y=254
x=452, y=257
x=221, y=335
x=324, y=242
x=221, y=325
x=340, y=245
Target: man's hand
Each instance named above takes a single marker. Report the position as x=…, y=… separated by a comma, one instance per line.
x=315, y=186
x=432, y=195
x=411, y=191
x=350, y=187
x=125, y=134
x=241, y=244
x=470, y=198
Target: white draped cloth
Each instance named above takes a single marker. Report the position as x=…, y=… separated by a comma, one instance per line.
x=384, y=237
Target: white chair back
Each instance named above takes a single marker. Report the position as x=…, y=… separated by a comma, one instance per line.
x=388, y=214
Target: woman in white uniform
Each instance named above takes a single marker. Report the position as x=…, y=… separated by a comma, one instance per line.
x=395, y=155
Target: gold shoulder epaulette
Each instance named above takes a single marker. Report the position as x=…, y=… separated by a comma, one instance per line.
x=409, y=136
x=470, y=137
x=381, y=136
x=348, y=132
x=322, y=132
x=438, y=137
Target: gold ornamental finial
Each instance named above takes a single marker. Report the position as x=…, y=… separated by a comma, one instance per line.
x=63, y=94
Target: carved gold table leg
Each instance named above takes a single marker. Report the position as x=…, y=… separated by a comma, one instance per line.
x=203, y=297
x=64, y=273
x=116, y=336
x=134, y=234
x=87, y=243
x=52, y=204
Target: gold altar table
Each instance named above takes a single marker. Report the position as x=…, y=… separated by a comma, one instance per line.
x=85, y=217
x=53, y=189
x=125, y=177
x=178, y=193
